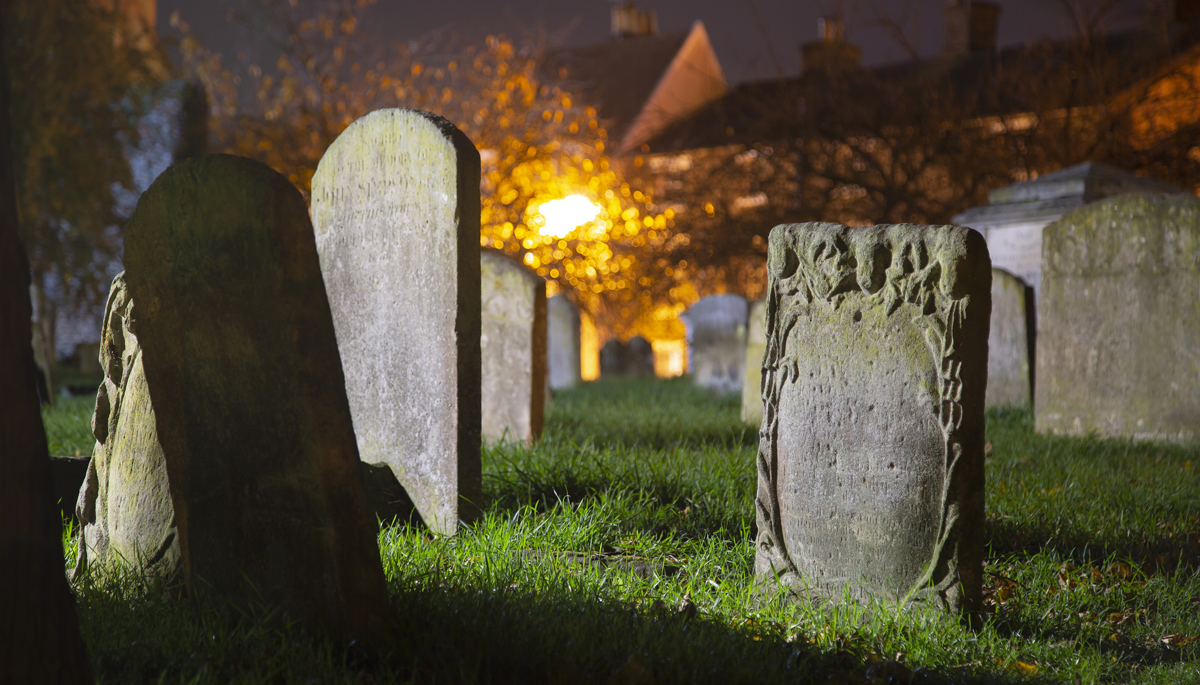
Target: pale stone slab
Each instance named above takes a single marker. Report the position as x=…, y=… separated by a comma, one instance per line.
x=124, y=505
x=716, y=334
x=1118, y=346
x=242, y=367
x=1010, y=342
x=395, y=206
x=756, y=347
x=562, y=342
x=871, y=450
x=513, y=349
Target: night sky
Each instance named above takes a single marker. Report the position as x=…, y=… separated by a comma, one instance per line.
x=754, y=39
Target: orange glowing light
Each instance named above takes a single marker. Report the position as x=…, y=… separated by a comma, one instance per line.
x=566, y=214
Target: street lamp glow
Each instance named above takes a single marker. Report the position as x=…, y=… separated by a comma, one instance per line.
x=566, y=214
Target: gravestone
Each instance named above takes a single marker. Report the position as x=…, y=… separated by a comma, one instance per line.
x=1015, y=215
x=562, y=342
x=716, y=333
x=39, y=631
x=513, y=349
x=395, y=206
x=634, y=358
x=1118, y=347
x=124, y=506
x=241, y=363
x=1010, y=342
x=870, y=469
x=756, y=346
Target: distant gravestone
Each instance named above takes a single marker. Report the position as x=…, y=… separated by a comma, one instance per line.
x=716, y=331
x=124, y=505
x=395, y=205
x=562, y=342
x=1118, y=348
x=870, y=470
x=241, y=363
x=513, y=349
x=1010, y=342
x=634, y=358
x=756, y=346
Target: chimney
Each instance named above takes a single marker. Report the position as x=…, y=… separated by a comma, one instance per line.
x=628, y=22
x=971, y=26
x=830, y=51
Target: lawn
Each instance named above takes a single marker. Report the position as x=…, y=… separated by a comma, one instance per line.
x=618, y=550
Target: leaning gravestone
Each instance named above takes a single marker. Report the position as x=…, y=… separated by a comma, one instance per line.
x=395, y=205
x=756, y=346
x=1118, y=347
x=513, y=349
x=124, y=506
x=1010, y=342
x=716, y=331
x=870, y=469
x=242, y=367
x=562, y=342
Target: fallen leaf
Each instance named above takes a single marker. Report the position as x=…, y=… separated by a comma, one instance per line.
x=1024, y=668
x=1179, y=639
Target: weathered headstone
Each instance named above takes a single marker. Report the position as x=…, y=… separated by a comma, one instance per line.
x=1118, y=345
x=241, y=363
x=562, y=342
x=513, y=349
x=124, y=505
x=716, y=332
x=1010, y=342
x=756, y=346
x=1013, y=220
x=39, y=631
x=395, y=205
x=870, y=469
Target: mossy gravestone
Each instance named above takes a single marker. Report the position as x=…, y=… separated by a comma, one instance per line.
x=1118, y=348
x=125, y=505
x=1010, y=342
x=870, y=469
x=242, y=367
x=513, y=347
x=756, y=345
x=395, y=205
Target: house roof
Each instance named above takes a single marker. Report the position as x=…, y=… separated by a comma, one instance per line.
x=748, y=113
x=618, y=75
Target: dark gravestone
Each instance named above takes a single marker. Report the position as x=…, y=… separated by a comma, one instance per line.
x=39, y=632
x=242, y=366
x=395, y=204
x=634, y=358
x=1010, y=342
x=871, y=452
x=1118, y=348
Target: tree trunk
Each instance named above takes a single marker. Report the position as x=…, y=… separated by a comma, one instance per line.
x=39, y=631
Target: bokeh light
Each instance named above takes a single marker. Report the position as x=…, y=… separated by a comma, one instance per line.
x=564, y=215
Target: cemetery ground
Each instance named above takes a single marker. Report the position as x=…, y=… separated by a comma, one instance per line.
x=619, y=549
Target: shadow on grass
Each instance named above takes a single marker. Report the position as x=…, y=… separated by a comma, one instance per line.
x=1090, y=498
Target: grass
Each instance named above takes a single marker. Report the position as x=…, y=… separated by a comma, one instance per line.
x=618, y=550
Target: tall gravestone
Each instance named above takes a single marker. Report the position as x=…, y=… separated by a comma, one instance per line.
x=513, y=349
x=870, y=468
x=242, y=367
x=124, y=506
x=395, y=205
x=1118, y=348
x=1010, y=342
x=562, y=342
x=39, y=632
x=716, y=331
x=634, y=358
x=756, y=346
